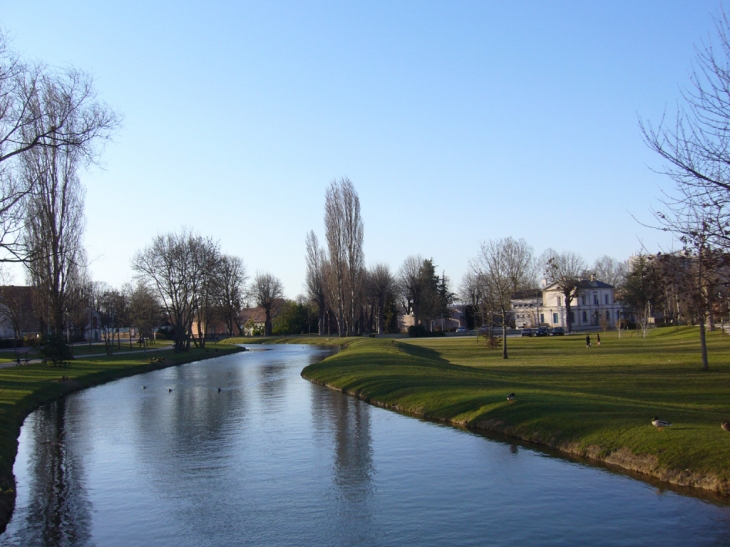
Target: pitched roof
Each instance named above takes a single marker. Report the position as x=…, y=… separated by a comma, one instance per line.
x=258, y=315
x=583, y=284
x=526, y=294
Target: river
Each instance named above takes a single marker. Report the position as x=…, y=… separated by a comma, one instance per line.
x=273, y=460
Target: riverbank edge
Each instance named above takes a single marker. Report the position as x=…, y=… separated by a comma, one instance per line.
x=55, y=389
x=624, y=458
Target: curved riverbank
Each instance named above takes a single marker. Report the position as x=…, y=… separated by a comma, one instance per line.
x=25, y=388
x=595, y=403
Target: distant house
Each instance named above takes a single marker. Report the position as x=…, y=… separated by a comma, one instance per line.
x=526, y=306
x=252, y=319
x=593, y=305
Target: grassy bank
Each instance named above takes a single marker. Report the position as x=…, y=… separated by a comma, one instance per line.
x=596, y=402
x=25, y=388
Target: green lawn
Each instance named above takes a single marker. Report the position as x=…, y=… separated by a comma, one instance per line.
x=596, y=402
x=26, y=387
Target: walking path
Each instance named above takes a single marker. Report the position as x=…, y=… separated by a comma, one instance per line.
x=36, y=361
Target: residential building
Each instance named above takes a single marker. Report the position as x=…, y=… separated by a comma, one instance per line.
x=593, y=306
x=526, y=308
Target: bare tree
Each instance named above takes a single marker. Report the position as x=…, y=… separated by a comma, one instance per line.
x=344, y=233
x=207, y=269
x=411, y=286
x=380, y=285
x=470, y=293
x=610, y=270
x=231, y=287
x=110, y=306
x=565, y=270
x=267, y=291
x=643, y=289
x=695, y=143
x=144, y=311
x=504, y=266
x=41, y=108
x=700, y=270
x=172, y=265
x=316, y=281
x=54, y=227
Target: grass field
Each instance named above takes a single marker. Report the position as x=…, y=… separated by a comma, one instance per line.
x=26, y=387
x=596, y=402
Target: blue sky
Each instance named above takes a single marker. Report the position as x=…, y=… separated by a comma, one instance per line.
x=456, y=121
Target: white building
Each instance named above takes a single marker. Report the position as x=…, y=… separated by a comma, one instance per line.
x=593, y=306
x=526, y=307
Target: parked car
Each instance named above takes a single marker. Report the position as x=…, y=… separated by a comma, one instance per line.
x=461, y=329
x=558, y=331
x=541, y=331
x=527, y=332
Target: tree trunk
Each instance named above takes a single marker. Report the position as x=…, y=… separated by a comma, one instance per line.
x=568, y=321
x=703, y=343
x=504, y=336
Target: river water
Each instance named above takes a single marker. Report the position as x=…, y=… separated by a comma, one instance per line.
x=272, y=459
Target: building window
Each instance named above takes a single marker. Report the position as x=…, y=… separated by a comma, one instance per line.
x=595, y=300
x=608, y=315
x=583, y=299
x=558, y=301
x=555, y=318
x=585, y=317
x=572, y=317
x=605, y=297
x=542, y=317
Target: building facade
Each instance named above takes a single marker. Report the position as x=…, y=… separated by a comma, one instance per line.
x=593, y=306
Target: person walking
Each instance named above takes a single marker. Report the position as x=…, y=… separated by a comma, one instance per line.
x=588, y=340
x=598, y=338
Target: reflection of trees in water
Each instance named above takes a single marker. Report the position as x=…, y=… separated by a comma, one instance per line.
x=348, y=419
x=186, y=422
x=59, y=512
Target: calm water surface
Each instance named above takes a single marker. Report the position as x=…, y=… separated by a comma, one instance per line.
x=275, y=460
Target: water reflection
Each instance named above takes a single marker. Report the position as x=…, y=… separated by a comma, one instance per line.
x=346, y=421
x=58, y=512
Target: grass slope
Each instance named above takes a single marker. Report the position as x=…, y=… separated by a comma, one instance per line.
x=25, y=388
x=595, y=402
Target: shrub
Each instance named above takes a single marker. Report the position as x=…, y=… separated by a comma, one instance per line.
x=54, y=349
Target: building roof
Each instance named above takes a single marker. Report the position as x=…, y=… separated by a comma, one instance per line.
x=526, y=294
x=258, y=315
x=583, y=284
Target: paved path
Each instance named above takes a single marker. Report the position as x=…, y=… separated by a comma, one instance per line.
x=36, y=361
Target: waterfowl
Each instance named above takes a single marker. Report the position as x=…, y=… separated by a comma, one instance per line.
x=144, y=387
x=511, y=397
x=219, y=390
x=169, y=389
x=660, y=424
x=725, y=426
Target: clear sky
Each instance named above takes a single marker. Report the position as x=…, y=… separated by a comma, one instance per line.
x=456, y=121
